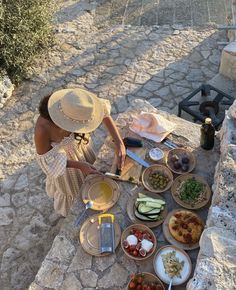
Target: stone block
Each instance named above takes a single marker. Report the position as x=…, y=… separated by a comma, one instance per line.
x=215, y=266
x=228, y=61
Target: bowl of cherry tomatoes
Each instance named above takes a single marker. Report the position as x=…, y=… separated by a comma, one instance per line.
x=145, y=281
x=138, y=242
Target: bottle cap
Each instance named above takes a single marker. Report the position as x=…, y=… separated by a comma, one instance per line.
x=208, y=121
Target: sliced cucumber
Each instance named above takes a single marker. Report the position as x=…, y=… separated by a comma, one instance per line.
x=144, y=217
x=149, y=199
x=153, y=204
x=141, y=195
x=142, y=208
x=154, y=211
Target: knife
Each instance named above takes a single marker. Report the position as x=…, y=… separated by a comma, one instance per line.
x=135, y=157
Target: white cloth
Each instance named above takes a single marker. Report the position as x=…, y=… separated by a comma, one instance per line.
x=152, y=126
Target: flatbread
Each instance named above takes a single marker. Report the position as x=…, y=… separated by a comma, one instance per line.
x=186, y=227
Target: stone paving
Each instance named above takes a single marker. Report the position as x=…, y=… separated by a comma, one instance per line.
x=162, y=64
x=161, y=12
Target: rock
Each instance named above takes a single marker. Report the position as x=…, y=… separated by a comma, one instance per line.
x=6, y=88
x=5, y=200
x=50, y=275
x=104, y=263
x=62, y=250
x=215, y=268
x=205, y=53
x=71, y=283
x=88, y=278
x=9, y=259
x=81, y=260
x=152, y=86
x=19, y=199
x=22, y=182
x=7, y=215
x=155, y=102
x=112, y=278
x=121, y=103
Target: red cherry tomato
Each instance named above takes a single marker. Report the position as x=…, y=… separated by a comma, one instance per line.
x=135, y=253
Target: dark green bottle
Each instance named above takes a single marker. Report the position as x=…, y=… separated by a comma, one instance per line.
x=207, y=135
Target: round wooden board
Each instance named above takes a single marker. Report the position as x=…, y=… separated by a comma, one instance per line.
x=148, y=277
x=93, y=190
x=89, y=236
x=171, y=239
x=131, y=209
x=179, y=152
x=160, y=270
x=182, y=178
x=140, y=227
x=160, y=169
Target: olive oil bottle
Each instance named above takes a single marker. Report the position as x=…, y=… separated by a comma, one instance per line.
x=207, y=135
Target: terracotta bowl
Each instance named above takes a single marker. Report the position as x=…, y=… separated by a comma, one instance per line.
x=128, y=231
x=147, y=278
x=156, y=168
x=180, y=153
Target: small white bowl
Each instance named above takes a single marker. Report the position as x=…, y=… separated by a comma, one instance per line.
x=156, y=154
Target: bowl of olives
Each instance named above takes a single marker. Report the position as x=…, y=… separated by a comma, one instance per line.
x=180, y=161
x=157, y=178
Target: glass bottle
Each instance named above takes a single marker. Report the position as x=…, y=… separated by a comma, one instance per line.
x=207, y=134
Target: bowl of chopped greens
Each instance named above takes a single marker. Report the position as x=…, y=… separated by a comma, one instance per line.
x=191, y=191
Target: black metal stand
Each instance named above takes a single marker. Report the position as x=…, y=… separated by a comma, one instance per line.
x=207, y=108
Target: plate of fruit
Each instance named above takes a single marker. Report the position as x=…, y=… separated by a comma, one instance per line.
x=180, y=161
x=145, y=281
x=138, y=242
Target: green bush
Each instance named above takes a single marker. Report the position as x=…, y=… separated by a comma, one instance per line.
x=25, y=30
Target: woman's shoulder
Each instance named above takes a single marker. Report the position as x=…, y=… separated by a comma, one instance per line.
x=42, y=136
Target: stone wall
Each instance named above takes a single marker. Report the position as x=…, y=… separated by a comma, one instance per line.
x=215, y=267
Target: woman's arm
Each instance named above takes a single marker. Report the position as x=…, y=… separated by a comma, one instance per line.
x=120, y=147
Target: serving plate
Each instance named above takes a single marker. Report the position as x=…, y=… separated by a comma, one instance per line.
x=181, y=256
x=156, y=168
x=193, y=205
x=102, y=191
x=89, y=236
x=142, y=228
x=180, y=152
x=171, y=239
x=131, y=209
x=148, y=277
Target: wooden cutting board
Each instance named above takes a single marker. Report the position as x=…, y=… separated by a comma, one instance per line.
x=132, y=169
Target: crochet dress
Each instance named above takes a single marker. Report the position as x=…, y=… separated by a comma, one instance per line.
x=62, y=183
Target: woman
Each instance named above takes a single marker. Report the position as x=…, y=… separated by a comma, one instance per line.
x=63, y=150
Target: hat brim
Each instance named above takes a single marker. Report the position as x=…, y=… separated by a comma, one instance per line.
x=68, y=124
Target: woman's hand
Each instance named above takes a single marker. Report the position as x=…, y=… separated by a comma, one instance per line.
x=87, y=168
x=121, y=154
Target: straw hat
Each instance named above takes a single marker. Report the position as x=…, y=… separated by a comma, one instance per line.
x=76, y=110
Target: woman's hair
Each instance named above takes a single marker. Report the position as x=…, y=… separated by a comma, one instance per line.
x=43, y=108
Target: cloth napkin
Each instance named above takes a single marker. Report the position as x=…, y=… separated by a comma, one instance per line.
x=152, y=126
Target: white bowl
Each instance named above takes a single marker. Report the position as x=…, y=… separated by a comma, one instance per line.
x=156, y=154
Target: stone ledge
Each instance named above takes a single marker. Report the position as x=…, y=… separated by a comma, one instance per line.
x=216, y=259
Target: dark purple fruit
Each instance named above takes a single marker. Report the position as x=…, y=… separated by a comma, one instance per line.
x=185, y=159
x=177, y=165
x=174, y=158
x=185, y=167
